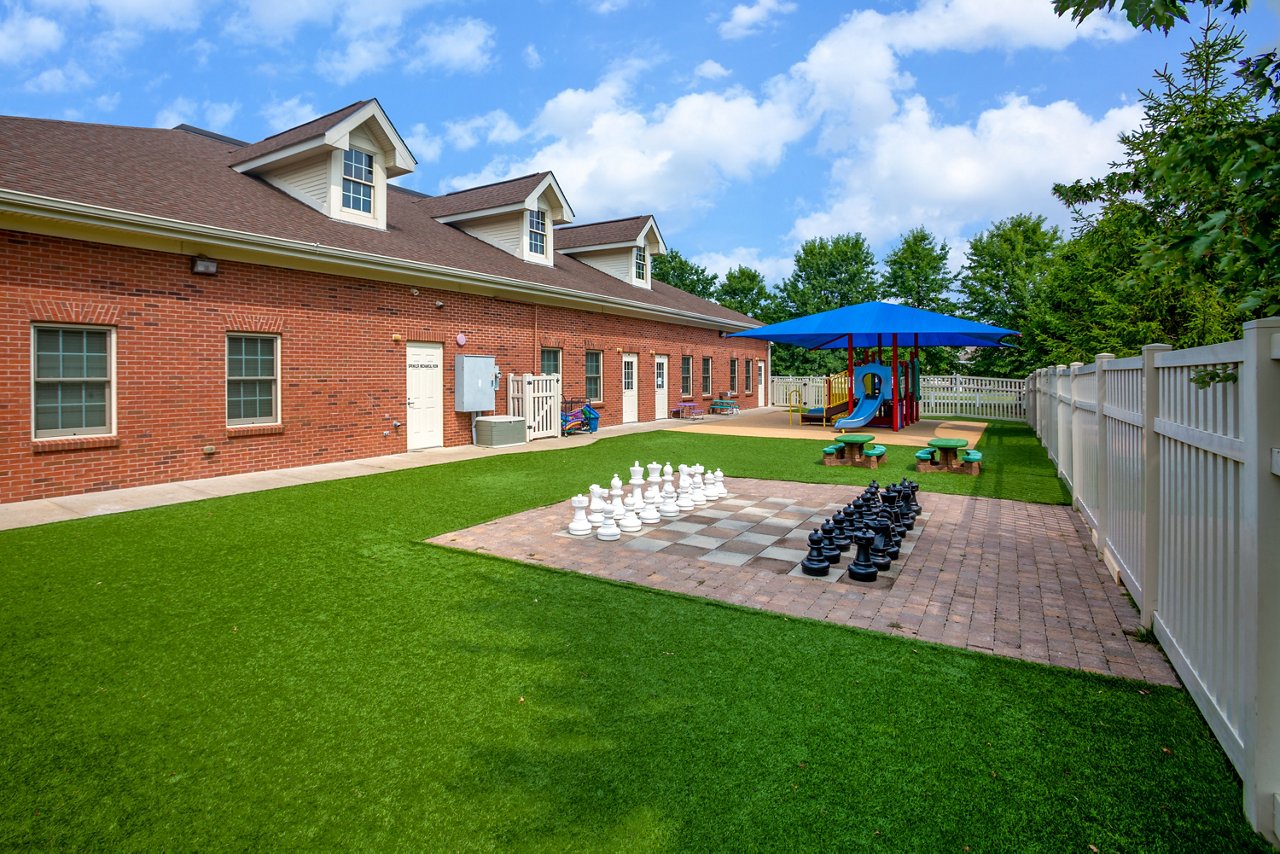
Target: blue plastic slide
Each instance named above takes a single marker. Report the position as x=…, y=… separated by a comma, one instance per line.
x=862, y=413
x=869, y=405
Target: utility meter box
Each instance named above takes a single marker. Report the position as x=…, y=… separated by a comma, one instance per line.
x=476, y=381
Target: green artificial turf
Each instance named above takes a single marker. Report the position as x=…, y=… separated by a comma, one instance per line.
x=297, y=669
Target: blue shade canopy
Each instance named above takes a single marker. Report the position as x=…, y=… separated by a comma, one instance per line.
x=874, y=323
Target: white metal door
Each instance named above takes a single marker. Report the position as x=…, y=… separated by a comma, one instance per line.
x=630, y=397
x=759, y=383
x=660, y=387
x=424, y=398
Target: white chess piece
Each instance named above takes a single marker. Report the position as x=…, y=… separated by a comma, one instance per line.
x=617, y=509
x=649, y=512
x=655, y=474
x=720, y=487
x=698, y=494
x=683, y=501
x=609, y=530
x=615, y=487
x=667, y=473
x=712, y=487
x=595, y=511
x=579, y=527
x=637, y=487
x=630, y=523
x=668, y=509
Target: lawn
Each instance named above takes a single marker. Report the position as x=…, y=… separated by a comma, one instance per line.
x=296, y=668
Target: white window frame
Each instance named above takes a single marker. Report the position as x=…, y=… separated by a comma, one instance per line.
x=537, y=220
x=108, y=384
x=686, y=376
x=542, y=360
x=749, y=365
x=707, y=368
x=348, y=174
x=733, y=377
x=275, y=380
x=587, y=375
x=641, y=264
x=660, y=374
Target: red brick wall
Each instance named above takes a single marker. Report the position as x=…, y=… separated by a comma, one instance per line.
x=342, y=375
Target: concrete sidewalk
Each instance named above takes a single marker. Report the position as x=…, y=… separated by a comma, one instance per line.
x=42, y=511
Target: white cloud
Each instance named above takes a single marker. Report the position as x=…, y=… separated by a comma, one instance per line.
x=773, y=268
x=613, y=158
x=274, y=20
x=710, y=70
x=362, y=56
x=184, y=111
x=459, y=46
x=913, y=170
x=425, y=146
x=532, y=59
x=605, y=7
x=24, y=37
x=282, y=115
x=136, y=14
x=748, y=20
x=107, y=103
x=495, y=127
x=68, y=78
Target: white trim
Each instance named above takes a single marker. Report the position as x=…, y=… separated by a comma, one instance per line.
x=276, y=408
x=111, y=428
x=209, y=238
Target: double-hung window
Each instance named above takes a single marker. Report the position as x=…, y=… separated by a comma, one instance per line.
x=593, y=372
x=253, y=380
x=686, y=376
x=550, y=361
x=706, y=375
x=746, y=377
x=641, y=263
x=733, y=376
x=538, y=232
x=357, y=180
x=71, y=375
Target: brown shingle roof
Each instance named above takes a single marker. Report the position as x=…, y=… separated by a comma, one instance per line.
x=600, y=233
x=301, y=133
x=488, y=197
x=186, y=177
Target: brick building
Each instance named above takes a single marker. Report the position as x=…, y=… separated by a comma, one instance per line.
x=175, y=304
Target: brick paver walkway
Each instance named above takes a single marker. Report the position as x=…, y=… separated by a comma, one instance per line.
x=997, y=576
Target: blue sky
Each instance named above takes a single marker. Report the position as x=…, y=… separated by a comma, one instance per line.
x=745, y=127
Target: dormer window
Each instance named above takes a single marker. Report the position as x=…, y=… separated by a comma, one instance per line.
x=538, y=232
x=357, y=180
x=641, y=263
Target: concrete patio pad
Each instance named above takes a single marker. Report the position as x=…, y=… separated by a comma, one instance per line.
x=989, y=575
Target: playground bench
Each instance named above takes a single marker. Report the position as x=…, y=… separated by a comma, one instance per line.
x=926, y=455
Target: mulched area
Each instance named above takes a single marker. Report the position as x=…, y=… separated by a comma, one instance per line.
x=992, y=575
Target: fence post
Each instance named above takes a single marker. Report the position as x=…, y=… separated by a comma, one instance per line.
x=1077, y=458
x=1151, y=480
x=1260, y=561
x=1101, y=454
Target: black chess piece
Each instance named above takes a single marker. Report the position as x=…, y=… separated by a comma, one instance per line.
x=893, y=504
x=861, y=568
x=840, y=531
x=915, y=503
x=829, y=549
x=879, y=553
x=815, y=564
x=892, y=546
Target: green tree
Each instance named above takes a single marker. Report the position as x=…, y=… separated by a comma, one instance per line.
x=679, y=272
x=918, y=274
x=829, y=273
x=744, y=290
x=1004, y=266
x=1227, y=170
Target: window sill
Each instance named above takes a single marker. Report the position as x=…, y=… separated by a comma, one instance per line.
x=73, y=443
x=254, y=430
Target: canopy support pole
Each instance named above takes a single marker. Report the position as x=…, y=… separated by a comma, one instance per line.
x=897, y=414
x=849, y=351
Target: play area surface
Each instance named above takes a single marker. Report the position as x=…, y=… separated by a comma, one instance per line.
x=772, y=423
x=990, y=575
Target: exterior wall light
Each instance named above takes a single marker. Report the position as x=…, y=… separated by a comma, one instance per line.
x=202, y=266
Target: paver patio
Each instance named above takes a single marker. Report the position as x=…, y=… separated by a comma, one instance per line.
x=992, y=575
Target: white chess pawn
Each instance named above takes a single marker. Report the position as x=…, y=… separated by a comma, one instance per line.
x=608, y=531
x=618, y=508
x=595, y=511
x=720, y=487
x=649, y=512
x=579, y=527
x=630, y=523
x=683, y=501
x=667, y=473
x=698, y=494
x=712, y=488
x=668, y=509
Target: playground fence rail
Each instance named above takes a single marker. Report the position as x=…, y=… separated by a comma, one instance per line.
x=1173, y=460
x=988, y=398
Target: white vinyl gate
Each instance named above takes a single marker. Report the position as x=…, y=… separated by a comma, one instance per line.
x=536, y=399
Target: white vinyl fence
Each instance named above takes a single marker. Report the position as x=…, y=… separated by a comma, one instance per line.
x=536, y=399
x=1181, y=488
x=988, y=398
x=806, y=392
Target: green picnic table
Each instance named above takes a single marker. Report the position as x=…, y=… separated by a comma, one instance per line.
x=854, y=444
x=948, y=447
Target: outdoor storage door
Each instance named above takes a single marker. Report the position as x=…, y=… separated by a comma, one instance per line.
x=424, y=383
x=759, y=383
x=660, y=387
x=630, y=397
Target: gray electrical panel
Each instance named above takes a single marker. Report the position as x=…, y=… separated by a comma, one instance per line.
x=476, y=381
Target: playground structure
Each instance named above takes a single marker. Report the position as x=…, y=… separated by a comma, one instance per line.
x=871, y=394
